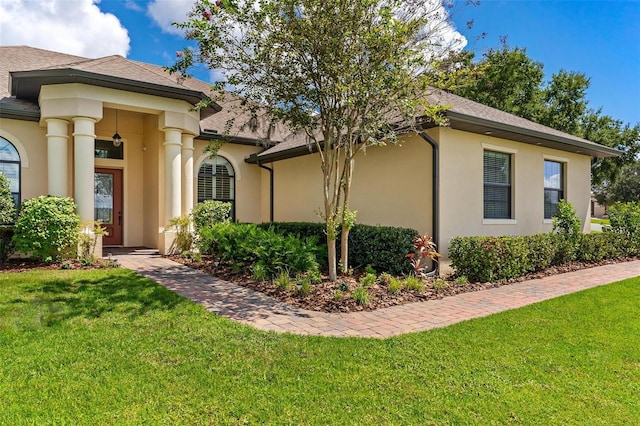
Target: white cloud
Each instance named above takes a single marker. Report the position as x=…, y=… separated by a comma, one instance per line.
x=166, y=12
x=76, y=27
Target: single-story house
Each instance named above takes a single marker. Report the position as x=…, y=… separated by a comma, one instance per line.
x=486, y=173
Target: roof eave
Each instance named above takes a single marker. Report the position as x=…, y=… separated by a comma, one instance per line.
x=542, y=139
x=281, y=155
x=26, y=85
x=16, y=113
x=238, y=140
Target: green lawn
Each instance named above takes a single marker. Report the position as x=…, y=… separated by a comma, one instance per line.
x=110, y=347
x=600, y=221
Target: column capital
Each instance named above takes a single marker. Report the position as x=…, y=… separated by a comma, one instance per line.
x=172, y=136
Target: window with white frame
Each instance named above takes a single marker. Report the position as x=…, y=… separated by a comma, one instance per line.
x=216, y=181
x=553, y=187
x=497, y=185
x=10, y=166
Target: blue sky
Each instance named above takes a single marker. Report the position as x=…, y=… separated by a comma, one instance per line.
x=598, y=38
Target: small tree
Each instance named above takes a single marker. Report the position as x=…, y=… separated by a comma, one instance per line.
x=345, y=75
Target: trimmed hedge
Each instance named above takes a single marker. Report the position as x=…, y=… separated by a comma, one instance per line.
x=383, y=247
x=487, y=259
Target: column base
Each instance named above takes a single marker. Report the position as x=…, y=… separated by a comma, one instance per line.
x=166, y=242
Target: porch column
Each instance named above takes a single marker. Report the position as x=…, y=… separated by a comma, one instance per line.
x=83, y=148
x=172, y=173
x=187, y=173
x=57, y=167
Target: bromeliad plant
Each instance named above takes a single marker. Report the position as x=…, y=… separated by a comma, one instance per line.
x=425, y=251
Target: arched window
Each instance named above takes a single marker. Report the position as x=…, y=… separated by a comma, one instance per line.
x=216, y=181
x=10, y=166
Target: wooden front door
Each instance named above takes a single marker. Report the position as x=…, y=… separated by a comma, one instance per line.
x=108, y=204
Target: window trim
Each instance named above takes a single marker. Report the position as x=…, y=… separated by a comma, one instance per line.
x=510, y=194
x=563, y=184
x=226, y=200
x=19, y=163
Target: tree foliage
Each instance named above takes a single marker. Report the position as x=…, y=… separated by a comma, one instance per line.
x=624, y=189
x=507, y=79
x=344, y=75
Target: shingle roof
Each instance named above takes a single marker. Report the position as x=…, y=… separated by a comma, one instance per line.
x=462, y=113
x=472, y=116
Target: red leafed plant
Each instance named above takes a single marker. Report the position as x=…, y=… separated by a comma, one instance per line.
x=425, y=250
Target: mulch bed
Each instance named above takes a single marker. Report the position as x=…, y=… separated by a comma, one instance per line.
x=322, y=296
x=24, y=265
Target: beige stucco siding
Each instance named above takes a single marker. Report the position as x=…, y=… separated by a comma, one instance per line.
x=461, y=185
x=29, y=139
x=391, y=186
x=249, y=188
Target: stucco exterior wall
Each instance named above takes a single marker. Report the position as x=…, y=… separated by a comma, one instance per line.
x=391, y=186
x=30, y=141
x=461, y=186
x=248, y=179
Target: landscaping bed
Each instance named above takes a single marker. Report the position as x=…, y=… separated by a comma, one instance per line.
x=322, y=296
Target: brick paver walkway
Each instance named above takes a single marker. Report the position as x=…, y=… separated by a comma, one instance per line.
x=265, y=313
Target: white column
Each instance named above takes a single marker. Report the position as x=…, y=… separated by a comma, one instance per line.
x=187, y=173
x=83, y=147
x=57, y=167
x=172, y=173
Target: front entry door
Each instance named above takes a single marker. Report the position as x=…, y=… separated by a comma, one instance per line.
x=108, y=204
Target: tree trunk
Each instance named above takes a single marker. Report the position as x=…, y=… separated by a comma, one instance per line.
x=331, y=247
x=344, y=247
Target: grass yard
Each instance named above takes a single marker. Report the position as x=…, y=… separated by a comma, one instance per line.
x=110, y=347
x=600, y=221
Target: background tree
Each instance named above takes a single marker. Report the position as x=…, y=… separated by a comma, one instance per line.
x=625, y=188
x=346, y=75
x=508, y=79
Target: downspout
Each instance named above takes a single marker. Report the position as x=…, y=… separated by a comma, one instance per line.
x=270, y=189
x=435, y=205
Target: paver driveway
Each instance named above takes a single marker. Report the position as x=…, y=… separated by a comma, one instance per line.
x=263, y=312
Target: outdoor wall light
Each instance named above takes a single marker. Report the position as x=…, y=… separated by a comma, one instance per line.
x=117, y=140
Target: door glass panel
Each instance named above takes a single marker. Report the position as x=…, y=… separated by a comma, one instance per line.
x=103, y=185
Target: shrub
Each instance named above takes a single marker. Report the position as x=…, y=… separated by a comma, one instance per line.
x=244, y=245
x=184, y=237
x=210, y=212
x=439, y=283
x=283, y=282
x=414, y=283
x=87, y=242
x=361, y=296
x=395, y=285
x=625, y=223
x=425, y=251
x=383, y=248
x=305, y=287
x=385, y=278
x=542, y=251
x=47, y=228
x=368, y=280
x=487, y=259
x=6, y=243
x=597, y=247
x=566, y=226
